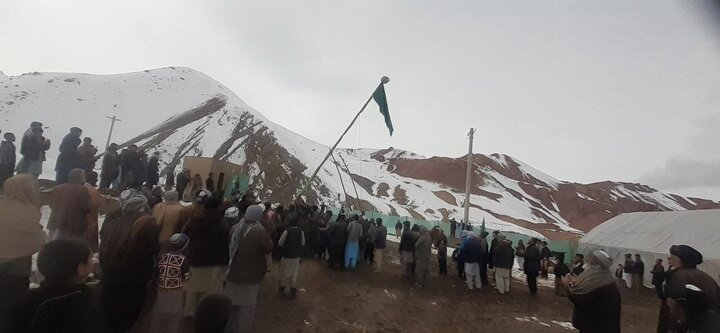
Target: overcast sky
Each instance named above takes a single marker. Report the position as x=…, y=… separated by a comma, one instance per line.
x=584, y=91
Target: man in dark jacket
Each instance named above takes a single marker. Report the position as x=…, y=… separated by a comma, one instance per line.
x=504, y=259
x=153, y=170
x=441, y=245
x=69, y=157
x=628, y=270
x=249, y=245
x=658, y=277
x=87, y=153
x=110, y=167
x=473, y=255
x=493, y=247
x=33, y=147
x=407, y=249
x=532, y=264
x=337, y=234
x=638, y=273
x=7, y=157
x=545, y=254
x=62, y=303
x=379, y=237
x=210, y=182
x=208, y=249
x=292, y=242
x=453, y=227
x=181, y=182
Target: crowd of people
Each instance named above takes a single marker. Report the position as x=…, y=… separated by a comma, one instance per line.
x=185, y=250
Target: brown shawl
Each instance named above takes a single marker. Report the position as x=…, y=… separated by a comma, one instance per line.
x=21, y=234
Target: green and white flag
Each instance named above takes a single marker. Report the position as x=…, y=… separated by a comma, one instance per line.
x=381, y=100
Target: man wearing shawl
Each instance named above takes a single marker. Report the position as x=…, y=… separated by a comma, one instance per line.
x=21, y=236
x=595, y=296
x=683, y=261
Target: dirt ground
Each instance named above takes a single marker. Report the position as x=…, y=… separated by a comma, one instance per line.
x=364, y=301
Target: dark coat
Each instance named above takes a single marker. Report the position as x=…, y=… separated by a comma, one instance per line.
x=61, y=309
x=472, y=251
x=69, y=157
x=7, y=161
x=532, y=260
x=504, y=256
x=153, y=172
x=181, y=182
x=110, y=164
x=629, y=266
x=249, y=265
x=209, y=240
x=7, y=154
x=658, y=275
x=597, y=311
x=32, y=148
x=639, y=268
x=561, y=270
x=337, y=233
x=210, y=185
x=407, y=241
x=293, y=247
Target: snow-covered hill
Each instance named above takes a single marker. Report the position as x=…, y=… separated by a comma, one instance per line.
x=181, y=112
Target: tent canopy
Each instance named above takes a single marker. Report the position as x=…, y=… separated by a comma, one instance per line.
x=651, y=234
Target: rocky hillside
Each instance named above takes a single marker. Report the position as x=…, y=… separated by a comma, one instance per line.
x=181, y=112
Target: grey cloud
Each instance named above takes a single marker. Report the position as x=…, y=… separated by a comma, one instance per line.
x=679, y=172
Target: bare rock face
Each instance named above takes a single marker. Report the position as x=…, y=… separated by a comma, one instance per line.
x=180, y=112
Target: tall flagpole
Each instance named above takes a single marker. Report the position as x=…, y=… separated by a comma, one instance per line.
x=357, y=196
x=383, y=80
x=468, y=176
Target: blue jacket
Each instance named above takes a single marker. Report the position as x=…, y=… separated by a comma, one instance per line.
x=471, y=251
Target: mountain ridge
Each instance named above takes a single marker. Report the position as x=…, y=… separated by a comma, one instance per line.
x=198, y=116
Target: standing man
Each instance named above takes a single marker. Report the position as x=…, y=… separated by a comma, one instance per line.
x=638, y=273
x=181, y=182
x=291, y=242
x=398, y=229
x=545, y=254
x=33, y=147
x=210, y=183
x=110, y=167
x=7, y=157
x=532, y=264
x=87, y=155
x=337, y=233
x=441, y=244
x=453, y=227
x=485, y=259
x=69, y=157
x=249, y=245
x=69, y=206
x=379, y=237
x=658, y=278
x=629, y=269
x=407, y=249
x=354, y=232
x=153, y=170
x=520, y=253
x=504, y=260
x=423, y=252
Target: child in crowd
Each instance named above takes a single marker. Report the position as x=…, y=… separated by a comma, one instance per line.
x=172, y=272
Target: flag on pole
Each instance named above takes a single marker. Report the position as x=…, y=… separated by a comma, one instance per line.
x=381, y=100
x=482, y=228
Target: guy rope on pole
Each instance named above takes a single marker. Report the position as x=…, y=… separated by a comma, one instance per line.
x=383, y=81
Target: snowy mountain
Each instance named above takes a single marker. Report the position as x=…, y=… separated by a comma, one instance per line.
x=181, y=112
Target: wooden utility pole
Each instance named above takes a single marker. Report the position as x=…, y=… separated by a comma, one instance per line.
x=468, y=176
x=112, y=125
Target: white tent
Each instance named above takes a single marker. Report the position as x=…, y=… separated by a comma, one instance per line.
x=651, y=234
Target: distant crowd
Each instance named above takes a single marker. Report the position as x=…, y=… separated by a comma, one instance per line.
x=185, y=250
